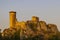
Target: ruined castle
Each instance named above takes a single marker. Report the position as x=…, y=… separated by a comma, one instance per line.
x=30, y=28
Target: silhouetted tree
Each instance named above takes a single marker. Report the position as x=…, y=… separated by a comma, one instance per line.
x=0, y=35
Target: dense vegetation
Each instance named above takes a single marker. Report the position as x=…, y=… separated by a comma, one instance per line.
x=39, y=37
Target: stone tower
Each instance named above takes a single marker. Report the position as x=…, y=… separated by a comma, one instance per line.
x=34, y=18
x=12, y=15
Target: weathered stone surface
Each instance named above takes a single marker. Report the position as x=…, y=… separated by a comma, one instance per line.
x=30, y=28
x=52, y=28
x=43, y=25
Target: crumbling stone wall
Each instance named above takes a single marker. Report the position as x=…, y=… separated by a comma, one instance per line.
x=30, y=28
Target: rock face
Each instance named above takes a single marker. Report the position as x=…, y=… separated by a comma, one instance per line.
x=43, y=25
x=30, y=28
x=52, y=28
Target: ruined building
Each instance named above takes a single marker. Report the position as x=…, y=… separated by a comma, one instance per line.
x=31, y=28
x=34, y=22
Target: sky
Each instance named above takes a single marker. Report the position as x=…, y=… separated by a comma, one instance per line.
x=46, y=10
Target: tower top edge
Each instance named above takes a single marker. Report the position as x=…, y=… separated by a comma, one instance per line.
x=12, y=12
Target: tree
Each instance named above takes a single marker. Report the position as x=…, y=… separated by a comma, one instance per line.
x=0, y=35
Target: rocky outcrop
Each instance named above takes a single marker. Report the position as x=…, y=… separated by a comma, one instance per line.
x=30, y=28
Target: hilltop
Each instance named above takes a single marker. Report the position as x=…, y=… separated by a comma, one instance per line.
x=33, y=29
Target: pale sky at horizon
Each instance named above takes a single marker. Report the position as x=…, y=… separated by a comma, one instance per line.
x=46, y=10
